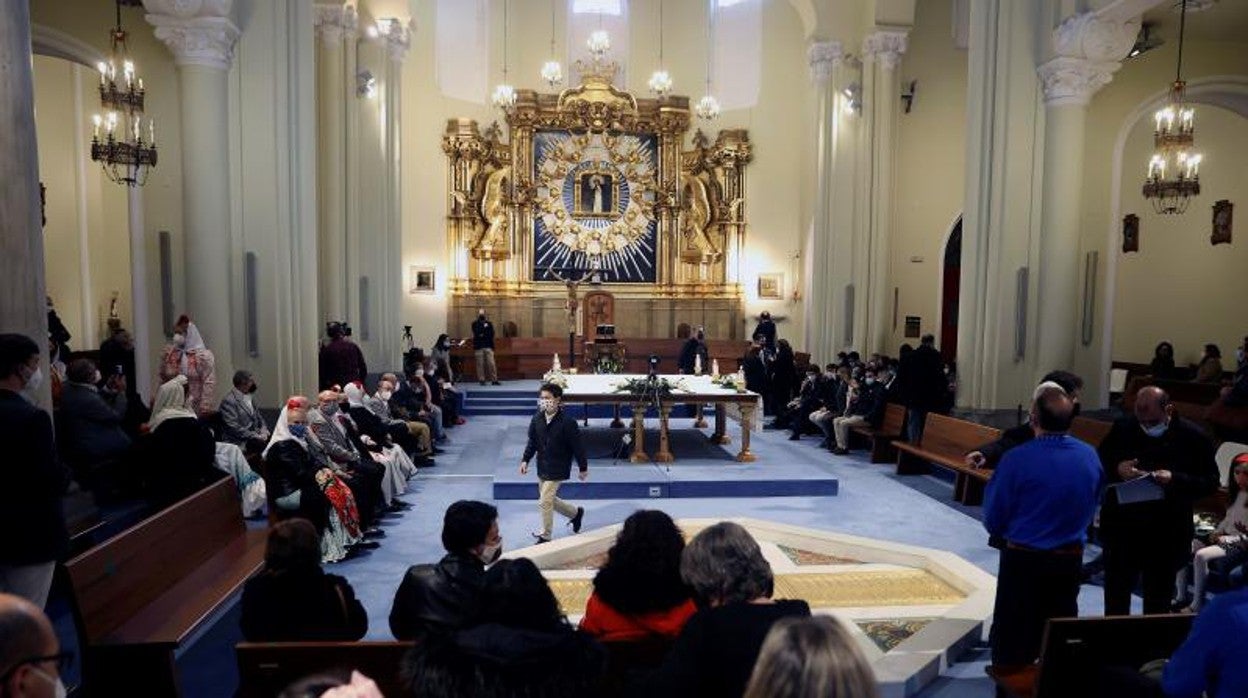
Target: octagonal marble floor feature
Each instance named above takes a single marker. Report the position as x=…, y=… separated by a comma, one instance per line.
x=912, y=610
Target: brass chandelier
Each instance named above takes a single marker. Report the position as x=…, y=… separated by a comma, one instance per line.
x=121, y=142
x=1174, y=170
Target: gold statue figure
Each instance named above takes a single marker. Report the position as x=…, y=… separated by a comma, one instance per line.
x=493, y=243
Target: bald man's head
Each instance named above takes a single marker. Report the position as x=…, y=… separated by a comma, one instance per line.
x=1152, y=406
x=25, y=634
x=1053, y=410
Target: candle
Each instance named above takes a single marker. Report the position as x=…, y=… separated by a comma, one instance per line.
x=714, y=367
x=1157, y=117
x=151, y=131
x=96, y=120
x=140, y=84
x=103, y=68
x=112, y=123
x=128, y=69
x=697, y=364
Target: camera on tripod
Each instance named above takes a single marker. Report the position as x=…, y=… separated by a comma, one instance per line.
x=653, y=362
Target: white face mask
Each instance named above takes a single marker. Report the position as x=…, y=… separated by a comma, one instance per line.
x=490, y=553
x=59, y=690
x=35, y=380
x=547, y=405
x=179, y=339
x=384, y=394
x=1156, y=430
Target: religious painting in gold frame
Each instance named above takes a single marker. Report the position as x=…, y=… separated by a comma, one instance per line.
x=771, y=286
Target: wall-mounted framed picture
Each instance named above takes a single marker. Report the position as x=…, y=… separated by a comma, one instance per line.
x=421, y=280
x=771, y=286
x=1222, y=210
x=1130, y=233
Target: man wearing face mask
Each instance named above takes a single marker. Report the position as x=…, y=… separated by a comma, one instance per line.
x=445, y=597
x=693, y=348
x=244, y=426
x=483, y=349
x=35, y=477
x=1151, y=539
x=30, y=656
x=555, y=439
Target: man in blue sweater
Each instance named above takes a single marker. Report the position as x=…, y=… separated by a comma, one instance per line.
x=1040, y=501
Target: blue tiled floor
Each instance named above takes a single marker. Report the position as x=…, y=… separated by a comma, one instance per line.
x=872, y=501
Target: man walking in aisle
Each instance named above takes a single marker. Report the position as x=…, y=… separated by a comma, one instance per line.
x=555, y=439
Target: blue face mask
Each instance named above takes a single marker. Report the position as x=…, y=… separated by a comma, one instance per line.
x=1156, y=430
x=298, y=430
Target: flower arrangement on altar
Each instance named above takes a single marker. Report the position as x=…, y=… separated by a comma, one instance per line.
x=608, y=364
x=730, y=381
x=556, y=376
x=644, y=386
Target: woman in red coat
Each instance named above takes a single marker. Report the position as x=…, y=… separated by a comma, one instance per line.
x=638, y=593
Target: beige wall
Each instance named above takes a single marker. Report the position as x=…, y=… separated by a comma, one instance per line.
x=1140, y=80
x=86, y=242
x=90, y=22
x=931, y=157
x=1178, y=287
x=779, y=179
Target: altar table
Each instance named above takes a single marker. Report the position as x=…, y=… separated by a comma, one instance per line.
x=698, y=390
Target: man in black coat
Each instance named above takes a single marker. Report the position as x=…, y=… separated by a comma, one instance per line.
x=922, y=385
x=555, y=439
x=483, y=349
x=445, y=596
x=988, y=455
x=694, y=347
x=1152, y=539
x=35, y=480
x=341, y=361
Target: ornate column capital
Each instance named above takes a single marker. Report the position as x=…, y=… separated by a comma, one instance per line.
x=334, y=22
x=823, y=57
x=197, y=32
x=886, y=47
x=1089, y=50
x=1073, y=81
x=397, y=36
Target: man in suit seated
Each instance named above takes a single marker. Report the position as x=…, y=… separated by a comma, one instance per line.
x=242, y=424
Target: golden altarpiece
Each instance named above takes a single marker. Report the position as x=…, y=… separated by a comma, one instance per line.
x=591, y=194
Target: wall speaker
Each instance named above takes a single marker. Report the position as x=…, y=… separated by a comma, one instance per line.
x=165, y=243
x=250, y=303
x=1089, y=296
x=1020, y=314
x=849, y=315
x=365, y=324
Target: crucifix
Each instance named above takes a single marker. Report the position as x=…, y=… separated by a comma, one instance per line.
x=571, y=304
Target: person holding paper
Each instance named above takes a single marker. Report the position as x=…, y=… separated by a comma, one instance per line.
x=1039, y=502
x=1144, y=536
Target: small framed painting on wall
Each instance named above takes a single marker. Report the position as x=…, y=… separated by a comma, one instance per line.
x=421, y=280
x=771, y=286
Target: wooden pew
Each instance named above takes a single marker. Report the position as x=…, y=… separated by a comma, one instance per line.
x=266, y=668
x=945, y=443
x=1090, y=431
x=1075, y=650
x=144, y=593
x=882, y=439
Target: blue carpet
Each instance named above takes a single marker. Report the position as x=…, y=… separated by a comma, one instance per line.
x=872, y=501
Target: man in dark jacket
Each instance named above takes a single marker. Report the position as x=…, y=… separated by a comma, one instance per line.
x=922, y=385
x=35, y=479
x=693, y=348
x=90, y=433
x=988, y=455
x=483, y=349
x=341, y=361
x=1152, y=539
x=865, y=397
x=445, y=596
x=555, y=439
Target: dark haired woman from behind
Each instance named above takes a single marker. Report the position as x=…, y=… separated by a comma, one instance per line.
x=638, y=593
x=521, y=645
x=1209, y=370
x=1162, y=365
x=292, y=599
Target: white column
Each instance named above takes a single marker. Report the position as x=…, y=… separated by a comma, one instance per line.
x=201, y=37
x=821, y=310
x=1089, y=51
x=23, y=306
x=141, y=325
x=335, y=27
x=390, y=300
x=882, y=51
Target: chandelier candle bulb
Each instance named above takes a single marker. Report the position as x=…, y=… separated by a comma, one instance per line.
x=96, y=121
x=151, y=131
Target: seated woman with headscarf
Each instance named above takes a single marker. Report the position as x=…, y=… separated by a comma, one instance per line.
x=187, y=355
x=380, y=472
x=177, y=455
x=301, y=484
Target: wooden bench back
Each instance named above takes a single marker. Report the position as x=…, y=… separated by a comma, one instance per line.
x=1075, y=648
x=894, y=419
x=125, y=573
x=265, y=669
x=952, y=437
x=1090, y=431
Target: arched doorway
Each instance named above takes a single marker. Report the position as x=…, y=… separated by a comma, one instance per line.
x=950, y=293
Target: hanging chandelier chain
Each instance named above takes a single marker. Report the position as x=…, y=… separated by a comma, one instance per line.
x=660, y=33
x=1178, y=71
